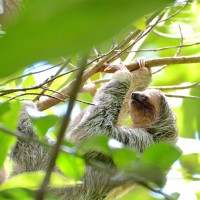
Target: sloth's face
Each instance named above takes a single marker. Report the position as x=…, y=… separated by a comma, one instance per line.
x=144, y=107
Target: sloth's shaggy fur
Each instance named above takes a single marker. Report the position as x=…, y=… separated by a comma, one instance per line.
x=153, y=121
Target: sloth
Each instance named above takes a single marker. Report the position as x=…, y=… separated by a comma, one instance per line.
x=153, y=121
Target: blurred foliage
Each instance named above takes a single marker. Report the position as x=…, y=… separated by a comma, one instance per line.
x=71, y=166
x=57, y=32
x=43, y=124
x=191, y=163
x=17, y=194
x=21, y=193
x=33, y=180
x=8, y=118
x=85, y=23
x=138, y=193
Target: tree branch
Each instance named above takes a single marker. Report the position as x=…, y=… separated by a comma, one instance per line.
x=166, y=61
x=100, y=66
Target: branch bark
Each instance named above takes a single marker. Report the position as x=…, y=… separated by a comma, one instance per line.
x=101, y=65
x=166, y=61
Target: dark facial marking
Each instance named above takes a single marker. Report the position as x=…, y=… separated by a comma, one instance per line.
x=140, y=100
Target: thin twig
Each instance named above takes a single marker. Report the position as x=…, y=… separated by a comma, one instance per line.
x=139, y=37
x=28, y=74
x=175, y=87
x=162, y=48
x=41, y=192
x=181, y=96
x=35, y=94
x=8, y=91
x=174, y=14
x=165, y=35
x=50, y=83
x=177, y=53
x=67, y=96
x=181, y=42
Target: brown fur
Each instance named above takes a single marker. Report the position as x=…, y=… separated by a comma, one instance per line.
x=144, y=108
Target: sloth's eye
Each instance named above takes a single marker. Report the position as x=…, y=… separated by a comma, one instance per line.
x=144, y=98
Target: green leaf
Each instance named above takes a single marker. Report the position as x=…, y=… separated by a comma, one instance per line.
x=33, y=180
x=29, y=81
x=71, y=166
x=123, y=157
x=189, y=110
x=195, y=104
x=8, y=119
x=140, y=23
x=42, y=124
x=9, y=114
x=51, y=28
x=191, y=163
x=24, y=194
x=143, y=172
x=175, y=195
x=17, y=194
x=97, y=143
x=4, y=107
x=6, y=142
x=163, y=155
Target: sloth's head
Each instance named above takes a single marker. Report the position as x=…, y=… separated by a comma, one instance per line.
x=150, y=110
x=145, y=107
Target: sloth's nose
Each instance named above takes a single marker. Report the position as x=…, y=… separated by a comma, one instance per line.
x=138, y=96
x=135, y=95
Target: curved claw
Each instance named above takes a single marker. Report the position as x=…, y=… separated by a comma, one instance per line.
x=141, y=62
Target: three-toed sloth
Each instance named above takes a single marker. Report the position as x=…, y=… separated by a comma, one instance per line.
x=153, y=121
